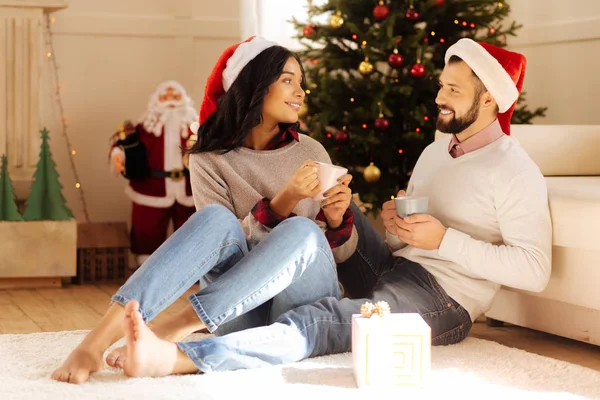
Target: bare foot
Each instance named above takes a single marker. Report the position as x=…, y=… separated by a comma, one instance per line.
x=87, y=356
x=147, y=355
x=172, y=329
x=78, y=366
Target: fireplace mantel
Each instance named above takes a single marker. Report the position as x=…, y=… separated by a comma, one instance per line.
x=21, y=57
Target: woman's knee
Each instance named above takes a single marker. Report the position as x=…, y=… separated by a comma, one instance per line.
x=213, y=217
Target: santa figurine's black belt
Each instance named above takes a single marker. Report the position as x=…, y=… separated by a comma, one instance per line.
x=175, y=174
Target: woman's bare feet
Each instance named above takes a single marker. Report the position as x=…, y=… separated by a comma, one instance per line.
x=172, y=329
x=148, y=355
x=87, y=357
x=78, y=366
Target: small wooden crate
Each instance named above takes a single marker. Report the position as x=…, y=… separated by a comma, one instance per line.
x=102, y=253
x=37, y=253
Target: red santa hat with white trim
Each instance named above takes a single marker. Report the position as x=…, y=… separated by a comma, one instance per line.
x=226, y=70
x=501, y=71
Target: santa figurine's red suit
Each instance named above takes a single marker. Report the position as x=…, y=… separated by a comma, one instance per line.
x=149, y=154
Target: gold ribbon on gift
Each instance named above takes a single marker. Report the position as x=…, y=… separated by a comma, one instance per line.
x=381, y=309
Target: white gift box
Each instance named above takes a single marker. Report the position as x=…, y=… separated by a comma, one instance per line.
x=391, y=351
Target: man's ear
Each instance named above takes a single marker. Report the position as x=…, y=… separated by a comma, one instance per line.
x=488, y=101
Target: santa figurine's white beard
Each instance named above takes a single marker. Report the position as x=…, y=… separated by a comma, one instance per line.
x=164, y=114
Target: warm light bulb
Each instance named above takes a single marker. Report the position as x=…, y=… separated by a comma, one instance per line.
x=352, y=99
x=456, y=21
x=432, y=33
x=307, y=91
x=77, y=185
x=48, y=54
x=364, y=43
x=73, y=152
x=52, y=20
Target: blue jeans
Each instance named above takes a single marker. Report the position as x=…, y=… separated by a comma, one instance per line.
x=292, y=266
x=324, y=327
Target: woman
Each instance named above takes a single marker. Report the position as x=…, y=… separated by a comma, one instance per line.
x=254, y=236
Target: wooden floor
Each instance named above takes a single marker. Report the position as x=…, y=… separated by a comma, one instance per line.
x=80, y=307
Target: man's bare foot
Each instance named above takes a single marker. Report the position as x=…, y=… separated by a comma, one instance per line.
x=172, y=329
x=148, y=355
x=78, y=366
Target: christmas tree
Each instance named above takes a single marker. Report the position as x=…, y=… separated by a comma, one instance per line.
x=46, y=201
x=8, y=206
x=372, y=79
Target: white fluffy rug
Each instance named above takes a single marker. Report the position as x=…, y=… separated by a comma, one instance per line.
x=473, y=369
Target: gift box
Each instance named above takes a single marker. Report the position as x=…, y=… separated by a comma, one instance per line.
x=391, y=351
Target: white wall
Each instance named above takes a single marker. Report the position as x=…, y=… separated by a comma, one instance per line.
x=111, y=55
x=561, y=40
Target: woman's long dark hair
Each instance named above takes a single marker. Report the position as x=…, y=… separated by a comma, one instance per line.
x=240, y=108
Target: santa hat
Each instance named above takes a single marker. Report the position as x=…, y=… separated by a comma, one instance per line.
x=226, y=70
x=501, y=71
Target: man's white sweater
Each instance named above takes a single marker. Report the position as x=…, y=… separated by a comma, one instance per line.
x=494, y=203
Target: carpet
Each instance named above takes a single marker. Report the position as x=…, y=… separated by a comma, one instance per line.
x=474, y=368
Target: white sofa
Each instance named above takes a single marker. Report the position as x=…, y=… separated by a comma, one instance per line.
x=569, y=158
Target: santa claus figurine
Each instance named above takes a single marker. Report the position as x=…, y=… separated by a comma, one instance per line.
x=150, y=155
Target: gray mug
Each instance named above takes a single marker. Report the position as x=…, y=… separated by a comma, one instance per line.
x=409, y=205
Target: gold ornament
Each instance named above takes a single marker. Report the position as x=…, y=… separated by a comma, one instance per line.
x=372, y=173
x=191, y=141
x=336, y=21
x=365, y=67
x=303, y=111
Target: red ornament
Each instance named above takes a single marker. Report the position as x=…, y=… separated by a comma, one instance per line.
x=310, y=30
x=439, y=3
x=395, y=60
x=381, y=11
x=382, y=123
x=342, y=137
x=418, y=70
x=412, y=14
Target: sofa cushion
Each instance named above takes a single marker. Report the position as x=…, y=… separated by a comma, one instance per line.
x=575, y=209
x=573, y=277
x=561, y=150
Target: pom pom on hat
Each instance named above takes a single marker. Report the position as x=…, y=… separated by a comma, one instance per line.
x=501, y=71
x=226, y=70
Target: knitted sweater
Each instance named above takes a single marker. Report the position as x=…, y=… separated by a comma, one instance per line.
x=240, y=178
x=494, y=203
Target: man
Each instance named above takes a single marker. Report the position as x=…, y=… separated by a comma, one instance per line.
x=162, y=193
x=488, y=225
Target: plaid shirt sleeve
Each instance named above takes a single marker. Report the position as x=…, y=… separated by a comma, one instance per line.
x=265, y=215
x=339, y=236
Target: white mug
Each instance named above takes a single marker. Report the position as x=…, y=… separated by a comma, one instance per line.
x=328, y=174
x=409, y=205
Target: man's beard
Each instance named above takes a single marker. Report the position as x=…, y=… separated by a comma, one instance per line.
x=457, y=125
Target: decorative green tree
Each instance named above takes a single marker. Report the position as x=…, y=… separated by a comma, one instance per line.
x=372, y=75
x=46, y=201
x=8, y=206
